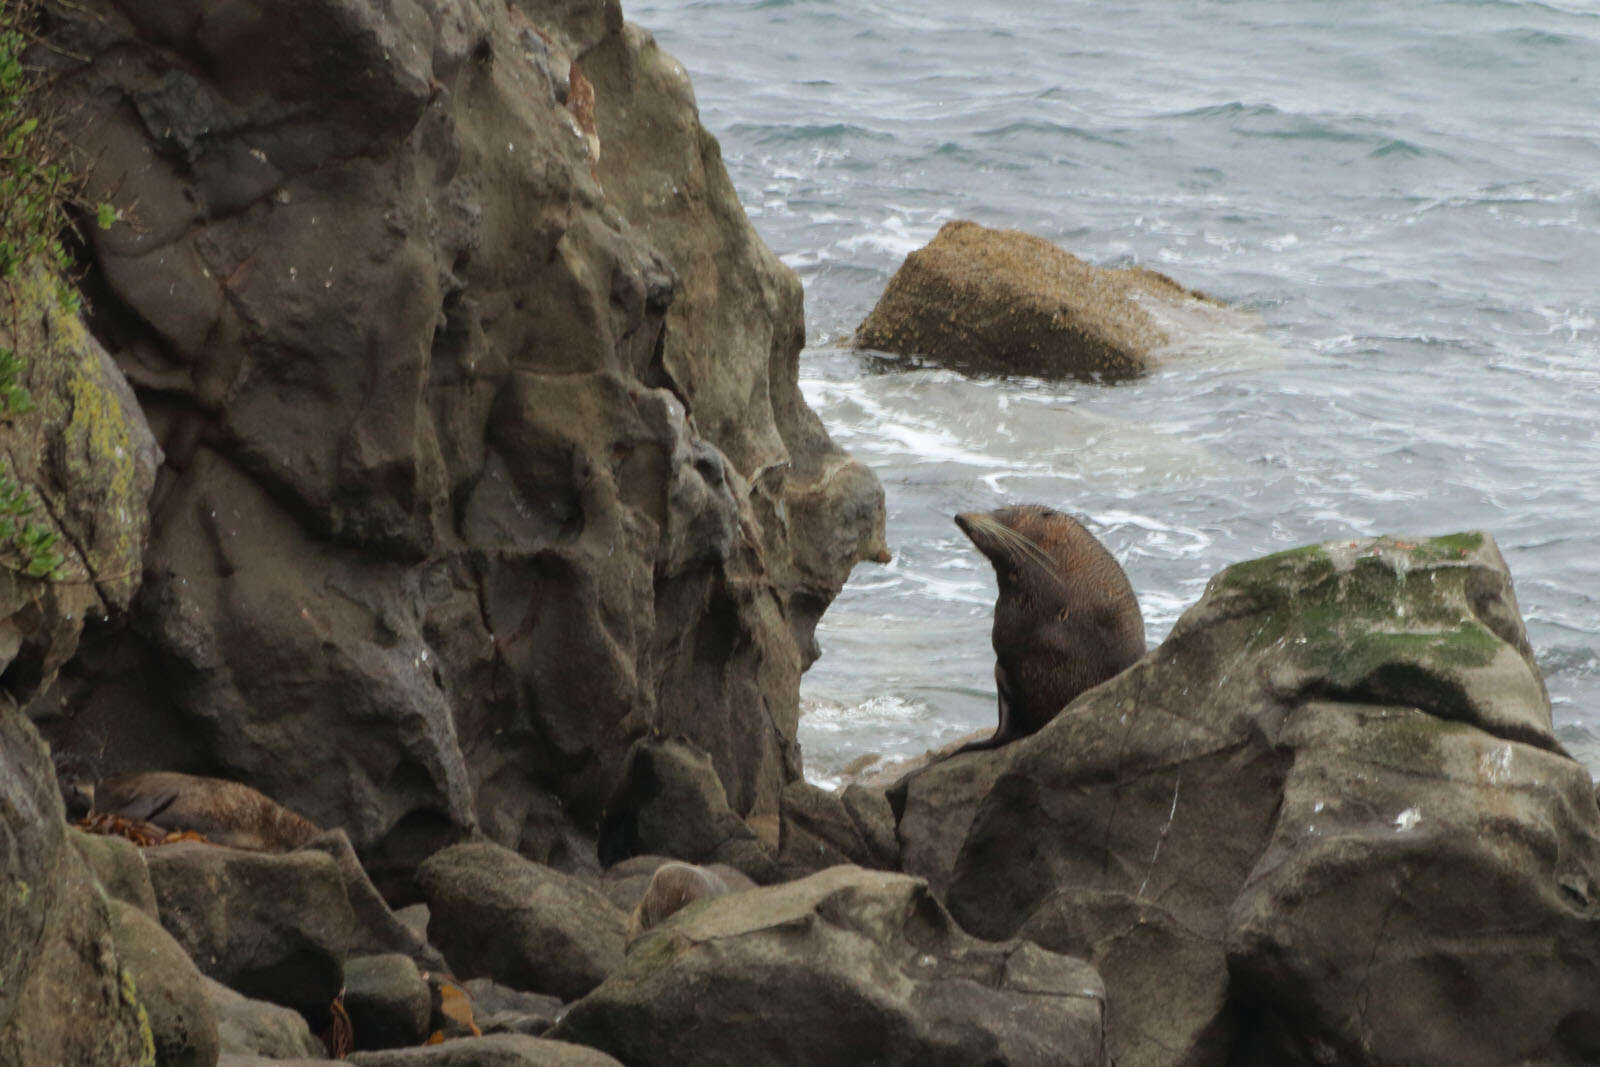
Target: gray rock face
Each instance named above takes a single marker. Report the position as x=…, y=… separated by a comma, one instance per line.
x=255, y=1028
x=388, y=1001
x=1326, y=822
x=484, y=459
x=496, y=915
x=500, y=1009
x=820, y=829
x=1004, y=302
x=495, y=1050
x=846, y=966
x=378, y=930
x=671, y=801
x=273, y=927
x=55, y=936
x=935, y=806
x=118, y=865
x=170, y=988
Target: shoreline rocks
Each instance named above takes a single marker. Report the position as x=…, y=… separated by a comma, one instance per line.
x=1327, y=820
x=484, y=458
x=845, y=966
x=1005, y=302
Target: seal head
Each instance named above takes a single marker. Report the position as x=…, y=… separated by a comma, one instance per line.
x=1066, y=618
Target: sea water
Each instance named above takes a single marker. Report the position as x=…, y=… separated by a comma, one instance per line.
x=1404, y=198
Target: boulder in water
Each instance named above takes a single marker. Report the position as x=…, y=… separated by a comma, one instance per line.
x=987, y=301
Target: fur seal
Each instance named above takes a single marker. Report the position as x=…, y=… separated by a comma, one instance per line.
x=224, y=812
x=672, y=888
x=1066, y=618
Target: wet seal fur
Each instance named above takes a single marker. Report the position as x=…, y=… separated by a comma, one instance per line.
x=1066, y=618
x=224, y=812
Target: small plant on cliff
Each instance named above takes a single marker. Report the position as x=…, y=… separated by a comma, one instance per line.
x=35, y=189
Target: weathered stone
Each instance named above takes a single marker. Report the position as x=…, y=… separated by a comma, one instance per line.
x=377, y=930
x=494, y=914
x=118, y=865
x=64, y=997
x=254, y=1028
x=500, y=1009
x=847, y=966
x=85, y=458
x=1326, y=822
x=934, y=807
x=170, y=989
x=819, y=830
x=388, y=1001
x=485, y=460
x=1005, y=302
x=273, y=927
x=496, y=1050
x=671, y=802
x=414, y=917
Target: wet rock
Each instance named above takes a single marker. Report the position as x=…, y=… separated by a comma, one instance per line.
x=494, y=914
x=118, y=865
x=170, y=989
x=1327, y=822
x=500, y=1009
x=671, y=802
x=847, y=966
x=388, y=1001
x=1005, y=302
x=56, y=946
x=273, y=927
x=255, y=1028
x=496, y=1050
x=484, y=460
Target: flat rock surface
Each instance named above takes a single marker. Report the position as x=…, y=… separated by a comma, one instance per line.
x=496, y=915
x=274, y=927
x=495, y=1050
x=846, y=966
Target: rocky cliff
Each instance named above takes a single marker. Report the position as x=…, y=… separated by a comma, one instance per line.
x=484, y=451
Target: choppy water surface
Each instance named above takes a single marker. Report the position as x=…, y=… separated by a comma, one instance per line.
x=1408, y=195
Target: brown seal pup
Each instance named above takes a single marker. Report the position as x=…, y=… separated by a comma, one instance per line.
x=224, y=812
x=1066, y=618
x=672, y=888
